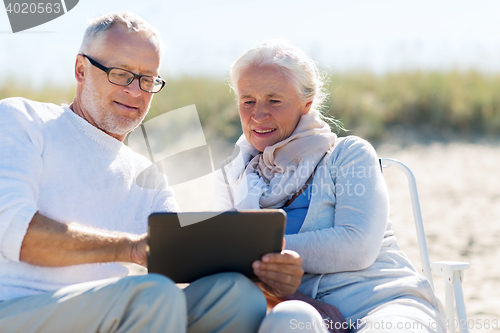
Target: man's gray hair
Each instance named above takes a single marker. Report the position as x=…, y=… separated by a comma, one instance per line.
x=99, y=26
x=293, y=63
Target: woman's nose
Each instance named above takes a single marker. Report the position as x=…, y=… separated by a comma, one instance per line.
x=260, y=113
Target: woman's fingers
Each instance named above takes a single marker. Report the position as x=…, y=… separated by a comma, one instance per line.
x=284, y=257
x=282, y=272
x=286, y=262
x=277, y=289
x=279, y=261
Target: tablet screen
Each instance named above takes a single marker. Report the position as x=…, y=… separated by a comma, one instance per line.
x=223, y=242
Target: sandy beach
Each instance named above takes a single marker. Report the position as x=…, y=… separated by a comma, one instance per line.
x=458, y=184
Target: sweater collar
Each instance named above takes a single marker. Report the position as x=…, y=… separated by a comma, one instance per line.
x=91, y=131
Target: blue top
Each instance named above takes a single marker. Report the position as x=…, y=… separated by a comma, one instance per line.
x=296, y=212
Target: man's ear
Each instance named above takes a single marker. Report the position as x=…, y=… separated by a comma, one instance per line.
x=80, y=68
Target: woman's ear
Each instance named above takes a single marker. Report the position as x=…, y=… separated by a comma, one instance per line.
x=307, y=107
x=80, y=68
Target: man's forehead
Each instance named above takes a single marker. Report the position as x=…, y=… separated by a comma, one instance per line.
x=130, y=50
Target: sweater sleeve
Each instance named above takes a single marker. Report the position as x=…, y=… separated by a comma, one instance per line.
x=361, y=209
x=21, y=147
x=164, y=200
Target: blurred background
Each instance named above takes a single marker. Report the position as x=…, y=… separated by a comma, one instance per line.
x=393, y=66
x=418, y=79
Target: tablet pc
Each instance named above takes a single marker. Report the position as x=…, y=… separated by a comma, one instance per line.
x=219, y=242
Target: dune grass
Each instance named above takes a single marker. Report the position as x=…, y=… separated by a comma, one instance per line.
x=368, y=105
x=461, y=102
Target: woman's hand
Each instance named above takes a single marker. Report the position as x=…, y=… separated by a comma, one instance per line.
x=281, y=273
x=330, y=313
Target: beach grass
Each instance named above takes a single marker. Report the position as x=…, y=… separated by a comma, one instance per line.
x=368, y=105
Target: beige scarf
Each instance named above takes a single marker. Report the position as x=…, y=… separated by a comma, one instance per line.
x=269, y=179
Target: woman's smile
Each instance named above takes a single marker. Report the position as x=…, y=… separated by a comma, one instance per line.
x=264, y=131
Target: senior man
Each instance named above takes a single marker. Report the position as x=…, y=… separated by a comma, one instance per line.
x=70, y=208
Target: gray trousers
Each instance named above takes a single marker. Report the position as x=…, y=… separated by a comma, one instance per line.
x=402, y=315
x=293, y=317
x=399, y=315
x=226, y=302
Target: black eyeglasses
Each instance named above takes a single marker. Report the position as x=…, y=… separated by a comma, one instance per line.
x=123, y=77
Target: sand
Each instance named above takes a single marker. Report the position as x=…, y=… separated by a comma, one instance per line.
x=458, y=184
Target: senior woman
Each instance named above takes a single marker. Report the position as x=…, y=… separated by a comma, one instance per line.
x=333, y=192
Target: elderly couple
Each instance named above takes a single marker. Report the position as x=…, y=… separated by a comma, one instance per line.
x=70, y=208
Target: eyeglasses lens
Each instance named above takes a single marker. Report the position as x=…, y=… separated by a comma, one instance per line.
x=124, y=78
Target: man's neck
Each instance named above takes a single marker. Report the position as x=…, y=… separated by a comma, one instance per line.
x=75, y=107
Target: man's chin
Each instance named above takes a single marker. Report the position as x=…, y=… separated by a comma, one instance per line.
x=120, y=127
x=122, y=131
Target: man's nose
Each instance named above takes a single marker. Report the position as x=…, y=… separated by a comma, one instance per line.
x=133, y=88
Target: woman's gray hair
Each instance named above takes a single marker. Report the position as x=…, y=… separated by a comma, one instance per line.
x=99, y=26
x=293, y=63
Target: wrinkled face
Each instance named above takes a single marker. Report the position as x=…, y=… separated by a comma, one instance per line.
x=269, y=105
x=115, y=109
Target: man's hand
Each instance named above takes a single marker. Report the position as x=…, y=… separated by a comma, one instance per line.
x=281, y=273
x=138, y=254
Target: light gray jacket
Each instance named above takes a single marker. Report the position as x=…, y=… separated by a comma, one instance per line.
x=349, y=251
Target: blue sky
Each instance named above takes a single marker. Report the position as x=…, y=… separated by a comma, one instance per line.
x=204, y=37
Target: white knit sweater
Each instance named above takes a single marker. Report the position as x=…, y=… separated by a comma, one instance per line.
x=55, y=162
